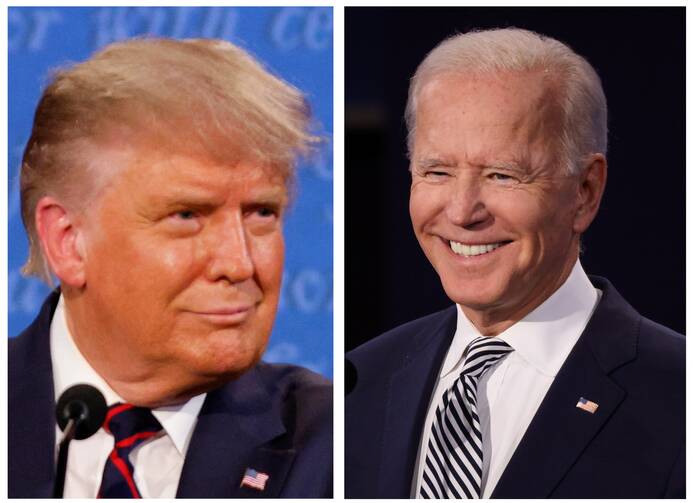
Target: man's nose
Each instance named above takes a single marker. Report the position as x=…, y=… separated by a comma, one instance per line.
x=230, y=257
x=466, y=206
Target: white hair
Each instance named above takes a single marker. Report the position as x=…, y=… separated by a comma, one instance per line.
x=581, y=98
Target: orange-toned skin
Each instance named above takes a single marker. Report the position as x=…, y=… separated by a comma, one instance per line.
x=171, y=280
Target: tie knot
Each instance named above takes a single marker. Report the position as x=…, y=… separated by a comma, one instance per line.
x=130, y=424
x=482, y=353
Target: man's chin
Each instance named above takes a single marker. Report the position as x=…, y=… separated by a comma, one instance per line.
x=181, y=393
x=177, y=390
x=475, y=293
x=227, y=364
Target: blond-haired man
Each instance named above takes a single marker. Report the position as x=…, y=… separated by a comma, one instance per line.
x=153, y=188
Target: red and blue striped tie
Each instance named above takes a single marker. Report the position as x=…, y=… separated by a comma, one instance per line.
x=130, y=426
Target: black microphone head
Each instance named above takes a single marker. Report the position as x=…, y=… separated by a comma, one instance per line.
x=86, y=405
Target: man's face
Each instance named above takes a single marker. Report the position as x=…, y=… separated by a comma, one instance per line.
x=490, y=206
x=183, y=263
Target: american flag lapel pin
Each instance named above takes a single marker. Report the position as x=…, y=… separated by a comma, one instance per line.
x=587, y=405
x=255, y=479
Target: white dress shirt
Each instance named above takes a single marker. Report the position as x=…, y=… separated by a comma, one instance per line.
x=510, y=392
x=158, y=462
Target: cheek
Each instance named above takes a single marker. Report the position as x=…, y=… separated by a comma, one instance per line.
x=268, y=257
x=519, y=210
x=156, y=269
x=523, y=218
x=422, y=204
x=178, y=258
x=169, y=258
x=177, y=264
x=541, y=225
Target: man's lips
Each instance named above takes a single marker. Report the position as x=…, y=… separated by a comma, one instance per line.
x=226, y=315
x=225, y=310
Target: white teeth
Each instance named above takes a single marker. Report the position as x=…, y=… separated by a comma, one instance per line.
x=472, y=250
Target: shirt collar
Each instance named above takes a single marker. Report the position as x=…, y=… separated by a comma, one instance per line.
x=545, y=336
x=70, y=368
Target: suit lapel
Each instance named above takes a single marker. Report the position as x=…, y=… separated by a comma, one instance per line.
x=32, y=409
x=235, y=428
x=560, y=431
x=239, y=428
x=408, y=396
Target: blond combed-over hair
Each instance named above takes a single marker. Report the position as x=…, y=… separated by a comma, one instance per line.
x=197, y=97
x=577, y=87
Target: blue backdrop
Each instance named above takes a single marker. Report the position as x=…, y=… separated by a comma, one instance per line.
x=294, y=42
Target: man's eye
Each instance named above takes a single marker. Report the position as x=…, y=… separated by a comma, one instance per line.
x=434, y=173
x=185, y=214
x=267, y=211
x=183, y=222
x=502, y=177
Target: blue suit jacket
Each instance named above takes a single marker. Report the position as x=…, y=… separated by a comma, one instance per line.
x=632, y=447
x=276, y=419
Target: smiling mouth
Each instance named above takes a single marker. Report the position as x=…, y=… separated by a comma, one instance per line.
x=474, y=250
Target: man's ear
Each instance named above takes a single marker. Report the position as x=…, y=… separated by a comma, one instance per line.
x=592, y=181
x=61, y=241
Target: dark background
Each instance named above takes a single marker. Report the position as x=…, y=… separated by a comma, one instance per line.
x=637, y=239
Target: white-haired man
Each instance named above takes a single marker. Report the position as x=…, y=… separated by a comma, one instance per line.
x=540, y=382
x=153, y=187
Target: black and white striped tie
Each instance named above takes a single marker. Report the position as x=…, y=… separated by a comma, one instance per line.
x=454, y=456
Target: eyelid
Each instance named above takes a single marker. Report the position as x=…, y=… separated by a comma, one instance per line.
x=426, y=165
x=181, y=226
x=511, y=167
x=262, y=209
x=434, y=167
x=506, y=179
x=178, y=213
x=199, y=208
x=276, y=208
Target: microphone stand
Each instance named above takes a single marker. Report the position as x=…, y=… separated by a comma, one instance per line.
x=80, y=412
x=70, y=431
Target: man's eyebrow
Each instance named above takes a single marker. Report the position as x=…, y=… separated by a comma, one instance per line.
x=434, y=162
x=507, y=164
x=271, y=196
x=187, y=196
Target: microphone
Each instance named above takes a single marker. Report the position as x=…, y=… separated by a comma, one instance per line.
x=80, y=411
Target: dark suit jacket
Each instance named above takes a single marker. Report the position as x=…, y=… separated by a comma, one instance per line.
x=276, y=419
x=632, y=447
